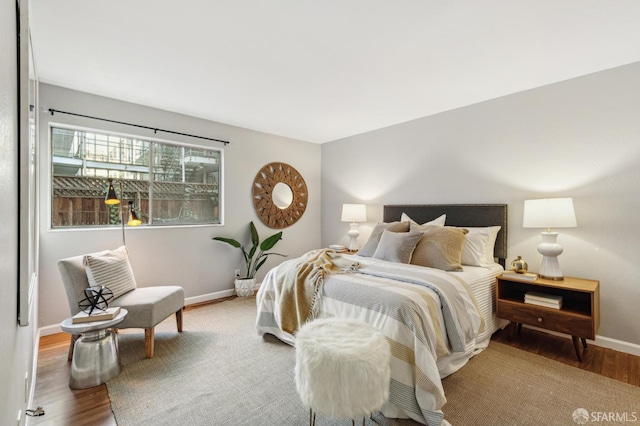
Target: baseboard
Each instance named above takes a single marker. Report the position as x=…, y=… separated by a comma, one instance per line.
x=55, y=328
x=50, y=329
x=604, y=342
x=207, y=297
x=618, y=345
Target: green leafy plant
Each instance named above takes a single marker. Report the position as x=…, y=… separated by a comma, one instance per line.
x=257, y=255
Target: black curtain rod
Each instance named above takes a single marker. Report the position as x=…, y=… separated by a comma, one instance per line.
x=155, y=129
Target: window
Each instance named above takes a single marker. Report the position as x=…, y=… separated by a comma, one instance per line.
x=168, y=183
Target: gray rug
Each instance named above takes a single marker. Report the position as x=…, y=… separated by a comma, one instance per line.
x=220, y=372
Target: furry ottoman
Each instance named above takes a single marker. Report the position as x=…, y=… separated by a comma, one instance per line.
x=342, y=368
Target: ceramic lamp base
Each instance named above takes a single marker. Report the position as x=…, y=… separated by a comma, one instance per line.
x=550, y=250
x=353, y=236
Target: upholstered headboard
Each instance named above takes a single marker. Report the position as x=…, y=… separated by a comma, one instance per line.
x=458, y=215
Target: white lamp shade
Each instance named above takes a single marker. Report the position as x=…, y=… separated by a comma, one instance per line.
x=549, y=213
x=354, y=213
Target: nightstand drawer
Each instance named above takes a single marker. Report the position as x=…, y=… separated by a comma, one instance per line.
x=547, y=318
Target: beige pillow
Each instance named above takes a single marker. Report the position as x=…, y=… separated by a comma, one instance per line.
x=370, y=246
x=396, y=246
x=111, y=270
x=439, y=247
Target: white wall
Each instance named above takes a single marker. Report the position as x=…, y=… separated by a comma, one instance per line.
x=16, y=343
x=184, y=256
x=579, y=138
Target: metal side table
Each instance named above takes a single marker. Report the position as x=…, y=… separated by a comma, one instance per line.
x=96, y=358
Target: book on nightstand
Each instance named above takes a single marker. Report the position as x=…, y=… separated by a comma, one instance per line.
x=541, y=303
x=526, y=276
x=107, y=314
x=542, y=299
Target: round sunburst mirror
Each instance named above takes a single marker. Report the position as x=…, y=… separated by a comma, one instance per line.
x=279, y=195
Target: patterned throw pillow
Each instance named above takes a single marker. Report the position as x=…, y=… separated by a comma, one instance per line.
x=111, y=270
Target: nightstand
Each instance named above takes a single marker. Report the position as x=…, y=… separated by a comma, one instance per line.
x=579, y=315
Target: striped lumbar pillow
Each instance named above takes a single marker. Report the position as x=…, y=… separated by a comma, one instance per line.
x=111, y=270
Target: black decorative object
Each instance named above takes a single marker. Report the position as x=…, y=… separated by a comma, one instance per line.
x=95, y=298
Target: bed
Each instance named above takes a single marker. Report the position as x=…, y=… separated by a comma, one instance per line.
x=435, y=319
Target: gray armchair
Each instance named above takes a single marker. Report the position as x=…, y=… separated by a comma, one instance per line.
x=146, y=306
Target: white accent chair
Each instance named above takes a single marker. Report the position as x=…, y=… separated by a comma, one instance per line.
x=146, y=306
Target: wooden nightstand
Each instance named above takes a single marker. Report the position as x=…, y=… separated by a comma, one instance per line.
x=579, y=315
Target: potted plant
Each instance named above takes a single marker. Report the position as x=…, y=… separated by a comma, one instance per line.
x=254, y=258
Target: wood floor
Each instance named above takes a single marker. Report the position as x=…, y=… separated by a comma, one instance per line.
x=64, y=406
x=606, y=362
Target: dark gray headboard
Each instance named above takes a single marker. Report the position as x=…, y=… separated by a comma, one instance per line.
x=458, y=215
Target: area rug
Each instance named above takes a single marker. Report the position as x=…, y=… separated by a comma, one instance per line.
x=218, y=371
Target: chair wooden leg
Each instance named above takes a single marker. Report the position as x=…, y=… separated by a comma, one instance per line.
x=74, y=337
x=179, y=320
x=149, y=341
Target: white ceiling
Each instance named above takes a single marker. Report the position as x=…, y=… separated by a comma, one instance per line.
x=320, y=70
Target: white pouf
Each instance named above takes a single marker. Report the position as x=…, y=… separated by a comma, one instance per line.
x=342, y=367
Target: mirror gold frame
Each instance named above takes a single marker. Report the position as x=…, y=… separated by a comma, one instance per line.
x=263, y=185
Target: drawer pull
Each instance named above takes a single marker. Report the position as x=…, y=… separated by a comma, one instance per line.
x=539, y=319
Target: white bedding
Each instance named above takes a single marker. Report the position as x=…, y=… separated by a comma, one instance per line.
x=411, y=317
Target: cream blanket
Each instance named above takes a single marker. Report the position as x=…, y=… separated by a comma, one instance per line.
x=301, y=281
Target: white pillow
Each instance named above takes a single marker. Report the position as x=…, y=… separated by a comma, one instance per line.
x=474, y=248
x=479, y=246
x=112, y=270
x=439, y=221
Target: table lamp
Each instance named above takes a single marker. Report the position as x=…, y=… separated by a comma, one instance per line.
x=354, y=213
x=549, y=213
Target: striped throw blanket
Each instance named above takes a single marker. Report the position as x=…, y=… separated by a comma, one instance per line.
x=429, y=317
x=458, y=321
